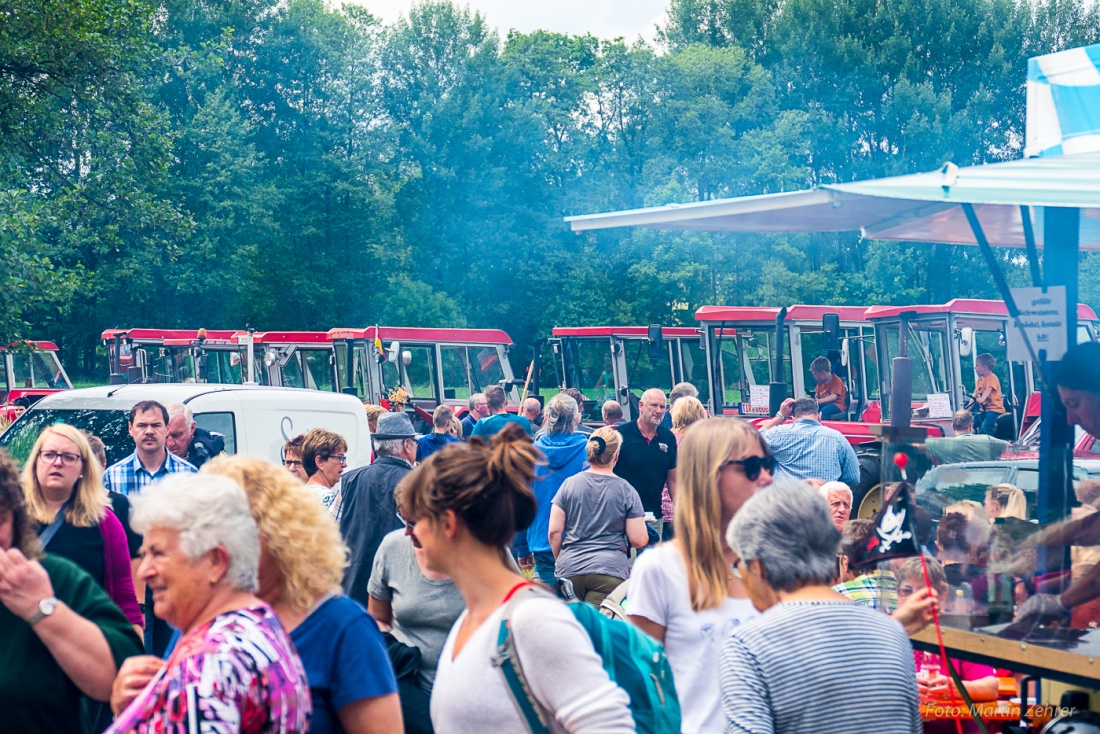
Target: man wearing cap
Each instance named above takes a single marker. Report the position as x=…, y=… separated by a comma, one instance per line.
x=369, y=510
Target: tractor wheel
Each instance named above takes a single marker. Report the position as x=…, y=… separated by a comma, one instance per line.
x=870, y=476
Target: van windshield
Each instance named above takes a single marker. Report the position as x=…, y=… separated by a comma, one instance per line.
x=109, y=425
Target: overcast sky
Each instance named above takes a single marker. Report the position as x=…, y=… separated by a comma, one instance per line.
x=601, y=18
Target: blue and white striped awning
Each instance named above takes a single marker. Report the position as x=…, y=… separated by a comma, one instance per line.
x=1063, y=103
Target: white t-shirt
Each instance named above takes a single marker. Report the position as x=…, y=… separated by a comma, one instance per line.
x=659, y=592
x=564, y=672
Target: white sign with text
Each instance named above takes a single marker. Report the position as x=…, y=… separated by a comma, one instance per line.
x=760, y=399
x=1043, y=318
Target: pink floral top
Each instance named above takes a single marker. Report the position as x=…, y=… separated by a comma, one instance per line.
x=238, y=673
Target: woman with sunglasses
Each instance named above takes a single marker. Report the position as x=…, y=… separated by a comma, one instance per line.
x=466, y=503
x=685, y=592
x=68, y=504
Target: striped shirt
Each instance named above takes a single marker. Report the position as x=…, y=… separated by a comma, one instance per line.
x=808, y=450
x=130, y=476
x=819, y=667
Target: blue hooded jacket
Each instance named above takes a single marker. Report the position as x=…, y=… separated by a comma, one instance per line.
x=566, y=455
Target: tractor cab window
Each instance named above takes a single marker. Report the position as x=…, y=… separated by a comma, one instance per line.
x=588, y=367
x=223, y=366
x=414, y=370
x=317, y=367
x=694, y=361
x=644, y=372
x=29, y=369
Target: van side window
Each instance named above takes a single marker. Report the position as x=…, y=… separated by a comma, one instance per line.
x=220, y=423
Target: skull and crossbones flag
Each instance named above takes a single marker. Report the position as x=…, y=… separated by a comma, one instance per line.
x=893, y=535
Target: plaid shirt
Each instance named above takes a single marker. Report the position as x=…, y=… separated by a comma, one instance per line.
x=130, y=477
x=875, y=589
x=808, y=450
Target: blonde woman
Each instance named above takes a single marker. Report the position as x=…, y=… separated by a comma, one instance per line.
x=68, y=505
x=1005, y=500
x=301, y=562
x=685, y=593
x=592, y=518
x=685, y=411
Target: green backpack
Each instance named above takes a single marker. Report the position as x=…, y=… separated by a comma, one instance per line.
x=633, y=660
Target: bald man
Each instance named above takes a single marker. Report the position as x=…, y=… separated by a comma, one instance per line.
x=647, y=458
x=532, y=408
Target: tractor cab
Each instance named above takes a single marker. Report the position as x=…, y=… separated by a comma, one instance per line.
x=30, y=370
x=175, y=355
x=943, y=342
x=622, y=362
x=430, y=366
x=304, y=359
x=742, y=347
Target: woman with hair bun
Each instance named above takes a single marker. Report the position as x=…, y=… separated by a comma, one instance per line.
x=593, y=516
x=462, y=507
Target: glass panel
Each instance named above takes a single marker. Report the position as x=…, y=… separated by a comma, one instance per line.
x=695, y=367
x=928, y=351
x=292, y=372
x=485, y=368
x=417, y=372
x=456, y=374
x=4, y=384
x=29, y=370
x=644, y=373
x=318, y=364
x=870, y=361
x=224, y=367
x=589, y=368
x=220, y=423
x=727, y=347
x=109, y=425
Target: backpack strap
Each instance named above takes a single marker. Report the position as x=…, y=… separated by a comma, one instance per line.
x=507, y=660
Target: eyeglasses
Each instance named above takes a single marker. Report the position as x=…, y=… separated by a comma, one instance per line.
x=342, y=458
x=408, y=525
x=66, y=459
x=752, y=465
x=291, y=463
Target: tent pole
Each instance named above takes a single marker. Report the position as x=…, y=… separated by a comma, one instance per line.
x=1032, y=250
x=1061, y=232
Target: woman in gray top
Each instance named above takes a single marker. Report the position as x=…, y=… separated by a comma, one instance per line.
x=593, y=516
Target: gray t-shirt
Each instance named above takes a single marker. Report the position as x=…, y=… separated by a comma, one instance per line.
x=596, y=509
x=424, y=610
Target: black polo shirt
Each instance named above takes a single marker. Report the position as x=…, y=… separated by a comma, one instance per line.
x=645, y=463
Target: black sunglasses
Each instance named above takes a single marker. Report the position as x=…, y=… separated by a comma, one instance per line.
x=753, y=465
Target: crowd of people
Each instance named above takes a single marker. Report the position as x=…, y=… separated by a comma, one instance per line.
x=181, y=589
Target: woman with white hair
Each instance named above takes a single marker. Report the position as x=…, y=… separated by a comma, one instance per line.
x=234, y=666
x=783, y=671
x=565, y=456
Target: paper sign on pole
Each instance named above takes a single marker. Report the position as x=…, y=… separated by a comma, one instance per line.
x=939, y=405
x=760, y=399
x=1043, y=316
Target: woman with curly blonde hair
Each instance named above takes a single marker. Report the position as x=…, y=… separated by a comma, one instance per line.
x=302, y=560
x=684, y=593
x=68, y=505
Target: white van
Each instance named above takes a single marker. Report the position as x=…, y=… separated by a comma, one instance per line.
x=255, y=420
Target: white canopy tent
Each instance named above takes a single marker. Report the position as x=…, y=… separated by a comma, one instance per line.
x=922, y=207
x=1051, y=202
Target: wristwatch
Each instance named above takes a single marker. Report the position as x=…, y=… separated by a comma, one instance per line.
x=46, y=607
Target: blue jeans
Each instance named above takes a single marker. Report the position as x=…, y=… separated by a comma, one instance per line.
x=544, y=567
x=989, y=422
x=831, y=412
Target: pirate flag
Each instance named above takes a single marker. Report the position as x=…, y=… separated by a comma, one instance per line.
x=892, y=535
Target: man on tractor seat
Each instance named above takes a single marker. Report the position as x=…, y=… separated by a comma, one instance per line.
x=831, y=394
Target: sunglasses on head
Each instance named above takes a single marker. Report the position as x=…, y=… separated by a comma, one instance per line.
x=752, y=465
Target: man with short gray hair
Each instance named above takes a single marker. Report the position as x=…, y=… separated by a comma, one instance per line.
x=965, y=445
x=186, y=440
x=532, y=408
x=479, y=408
x=612, y=414
x=806, y=449
x=368, y=509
